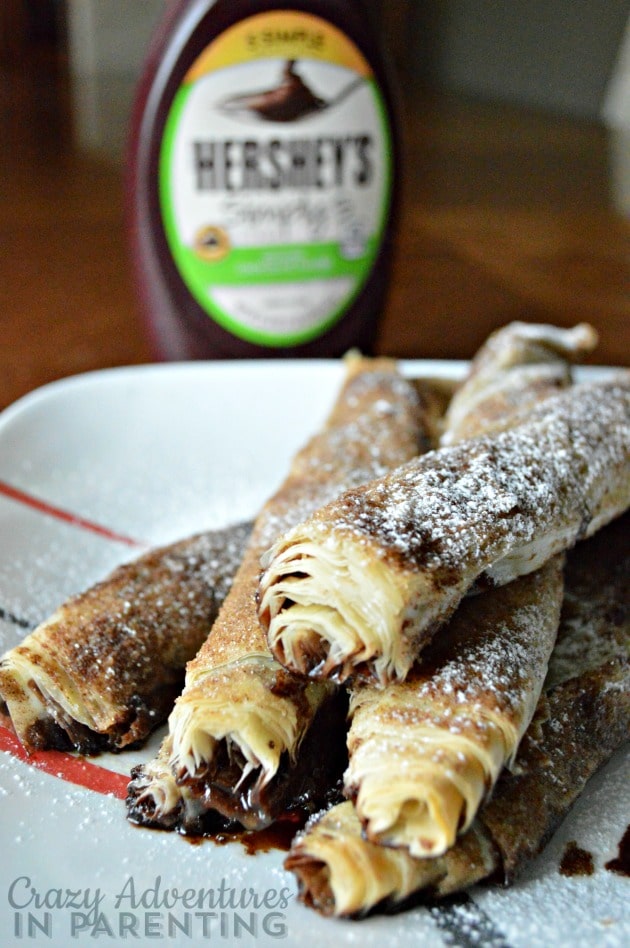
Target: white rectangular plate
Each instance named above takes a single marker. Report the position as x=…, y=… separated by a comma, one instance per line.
x=152, y=454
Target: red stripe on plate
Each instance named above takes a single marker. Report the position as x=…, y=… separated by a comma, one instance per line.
x=13, y=493
x=74, y=770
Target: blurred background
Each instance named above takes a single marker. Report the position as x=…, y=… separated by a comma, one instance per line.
x=516, y=181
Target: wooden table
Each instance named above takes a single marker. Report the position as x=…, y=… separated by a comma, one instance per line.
x=507, y=214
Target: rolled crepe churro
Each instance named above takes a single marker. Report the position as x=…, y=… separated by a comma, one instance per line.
x=238, y=727
x=104, y=670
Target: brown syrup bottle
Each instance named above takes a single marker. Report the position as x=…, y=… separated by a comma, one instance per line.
x=262, y=180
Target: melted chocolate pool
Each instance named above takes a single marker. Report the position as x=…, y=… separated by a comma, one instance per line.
x=621, y=865
x=576, y=861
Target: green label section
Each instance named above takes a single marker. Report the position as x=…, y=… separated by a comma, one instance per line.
x=271, y=266
x=267, y=267
x=277, y=264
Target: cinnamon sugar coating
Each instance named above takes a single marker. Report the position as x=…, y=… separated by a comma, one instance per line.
x=241, y=719
x=105, y=669
x=451, y=726
x=478, y=513
x=579, y=723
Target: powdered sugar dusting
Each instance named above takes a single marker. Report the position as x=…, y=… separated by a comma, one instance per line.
x=480, y=500
x=482, y=657
x=365, y=438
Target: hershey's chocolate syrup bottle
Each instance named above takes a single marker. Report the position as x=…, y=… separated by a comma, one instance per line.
x=262, y=179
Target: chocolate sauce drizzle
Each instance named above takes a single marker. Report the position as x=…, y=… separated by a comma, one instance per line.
x=576, y=861
x=621, y=864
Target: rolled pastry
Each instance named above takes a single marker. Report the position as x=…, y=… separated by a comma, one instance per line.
x=426, y=752
x=360, y=587
x=517, y=367
x=580, y=721
x=457, y=720
x=341, y=873
x=237, y=728
x=106, y=667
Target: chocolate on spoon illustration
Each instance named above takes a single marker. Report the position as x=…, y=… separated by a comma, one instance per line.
x=289, y=101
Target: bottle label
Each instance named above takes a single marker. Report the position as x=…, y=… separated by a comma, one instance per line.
x=275, y=177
